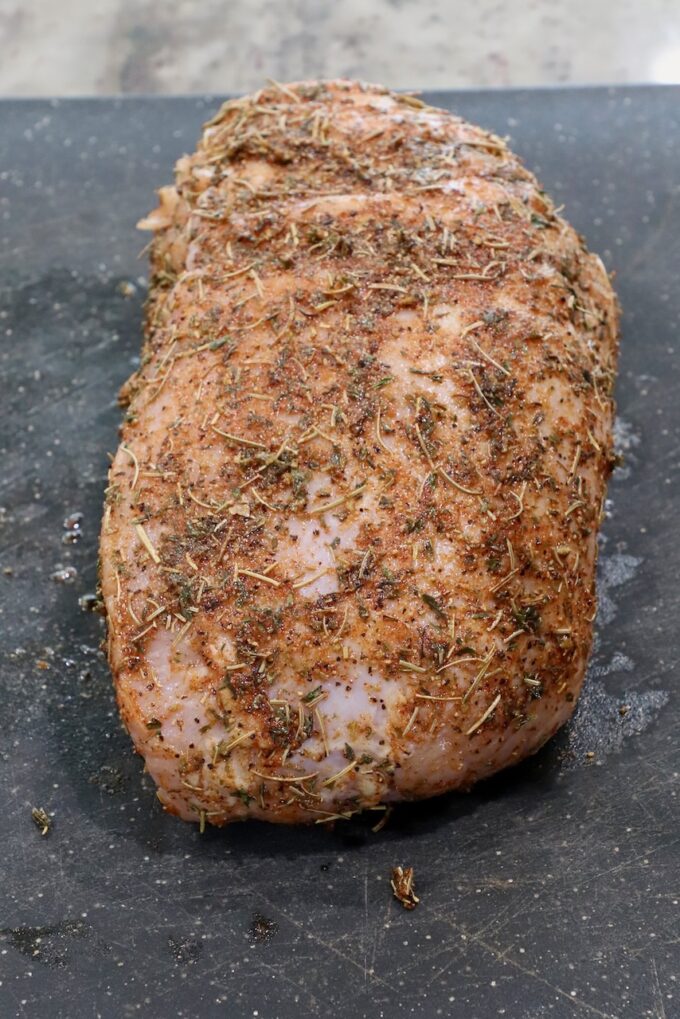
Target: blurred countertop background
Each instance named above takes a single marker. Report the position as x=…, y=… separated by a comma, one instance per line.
x=104, y=47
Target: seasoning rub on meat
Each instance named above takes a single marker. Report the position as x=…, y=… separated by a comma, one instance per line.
x=349, y=544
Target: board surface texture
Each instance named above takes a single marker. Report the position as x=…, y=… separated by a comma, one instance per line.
x=549, y=891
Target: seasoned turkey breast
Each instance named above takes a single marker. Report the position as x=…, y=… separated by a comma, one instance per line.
x=349, y=544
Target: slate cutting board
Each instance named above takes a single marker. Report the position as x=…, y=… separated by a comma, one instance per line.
x=550, y=890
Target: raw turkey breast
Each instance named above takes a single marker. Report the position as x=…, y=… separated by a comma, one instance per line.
x=348, y=551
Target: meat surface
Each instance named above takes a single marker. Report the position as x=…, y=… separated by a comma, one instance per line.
x=349, y=544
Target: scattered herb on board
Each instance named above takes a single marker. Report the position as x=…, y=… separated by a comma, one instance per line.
x=42, y=819
x=403, y=887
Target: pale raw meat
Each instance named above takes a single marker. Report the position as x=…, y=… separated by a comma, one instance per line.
x=349, y=545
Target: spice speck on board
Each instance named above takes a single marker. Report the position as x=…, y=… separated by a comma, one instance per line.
x=403, y=887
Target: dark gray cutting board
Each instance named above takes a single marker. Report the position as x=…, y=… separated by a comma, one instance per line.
x=550, y=890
